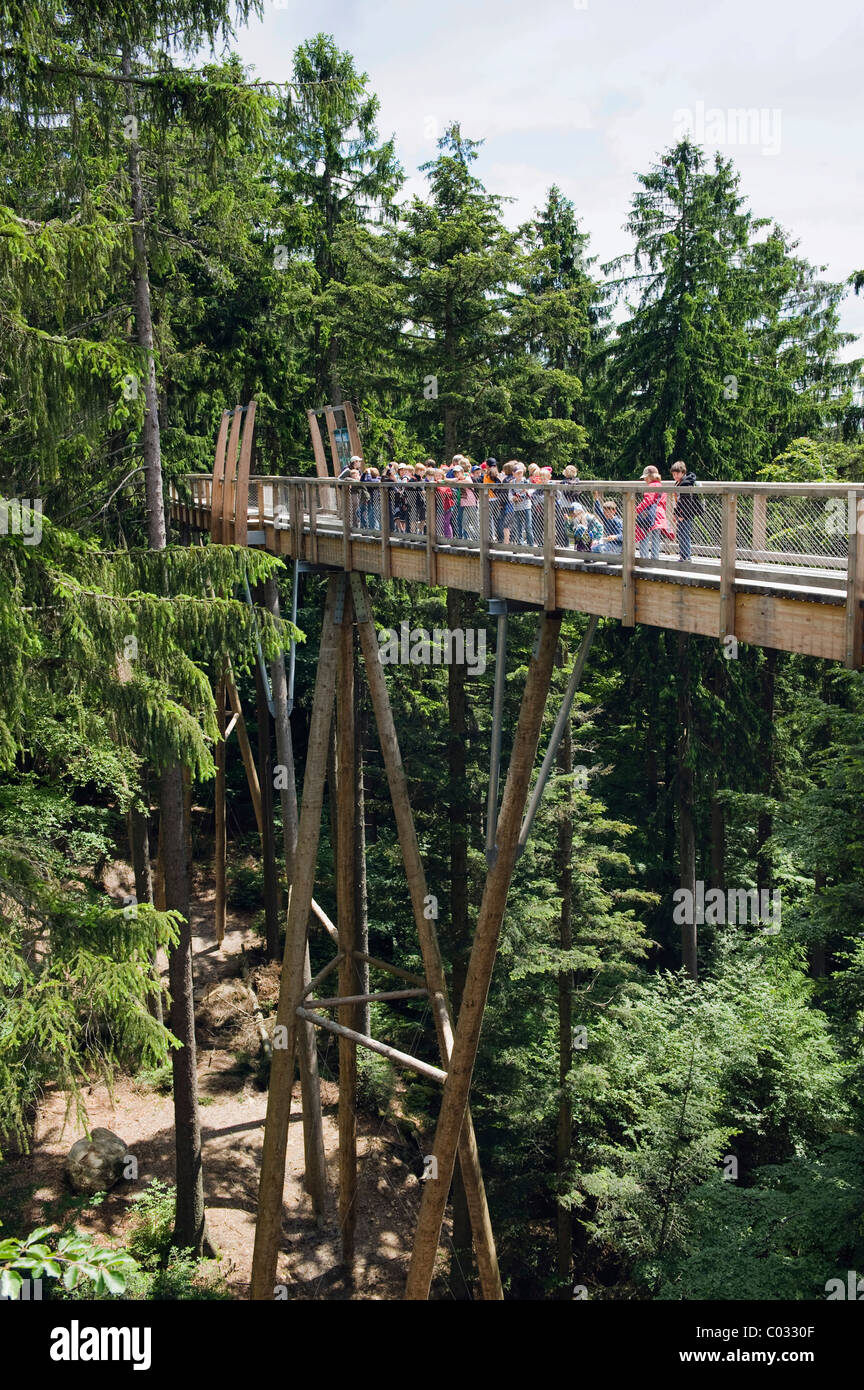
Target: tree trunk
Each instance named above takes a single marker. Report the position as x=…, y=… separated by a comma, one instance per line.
x=564, y=1136
x=268, y=848
x=461, y=1264
x=361, y=906
x=686, y=826
x=189, y=1221
x=765, y=824
x=139, y=851
x=189, y=1227
x=718, y=811
x=151, y=440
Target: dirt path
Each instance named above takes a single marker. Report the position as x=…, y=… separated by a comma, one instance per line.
x=232, y=1118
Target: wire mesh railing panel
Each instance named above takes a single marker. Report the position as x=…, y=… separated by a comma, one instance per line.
x=804, y=531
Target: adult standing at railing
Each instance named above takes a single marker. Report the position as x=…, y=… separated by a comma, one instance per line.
x=522, y=495
x=685, y=509
x=470, y=502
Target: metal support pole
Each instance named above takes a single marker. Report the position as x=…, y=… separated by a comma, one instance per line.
x=557, y=733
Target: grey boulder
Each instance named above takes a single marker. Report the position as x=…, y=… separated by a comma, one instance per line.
x=96, y=1164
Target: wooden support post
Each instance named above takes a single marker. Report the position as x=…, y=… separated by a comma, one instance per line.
x=313, y=1123
x=345, y=497
x=351, y=427
x=218, y=484
x=349, y=1014
x=483, y=522
x=240, y=491
x=728, y=554
x=628, y=560
x=330, y=417
x=431, y=531
x=292, y=983
x=220, y=513
x=855, y=585
x=317, y=445
x=220, y=845
x=548, y=549
x=760, y=521
x=459, y=1071
x=433, y=965
x=386, y=560
x=316, y=495
x=245, y=748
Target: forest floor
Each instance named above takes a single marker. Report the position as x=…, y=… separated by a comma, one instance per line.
x=33, y=1190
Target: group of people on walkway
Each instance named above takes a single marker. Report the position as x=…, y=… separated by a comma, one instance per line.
x=517, y=511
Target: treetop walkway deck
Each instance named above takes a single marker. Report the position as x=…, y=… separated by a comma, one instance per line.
x=776, y=564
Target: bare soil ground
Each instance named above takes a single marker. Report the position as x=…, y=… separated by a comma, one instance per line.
x=232, y=1117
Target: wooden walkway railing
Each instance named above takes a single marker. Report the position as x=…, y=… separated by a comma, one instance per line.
x=775, y=564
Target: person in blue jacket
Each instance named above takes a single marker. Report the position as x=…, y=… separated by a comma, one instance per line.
x=613, y=527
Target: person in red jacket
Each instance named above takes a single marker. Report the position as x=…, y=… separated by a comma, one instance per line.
x=651, y=524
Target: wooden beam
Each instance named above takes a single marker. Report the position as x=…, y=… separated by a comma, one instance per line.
x=272, y=1180
x=245, y=748
x=483, y=522
x=728, y=557
x=322, y=975
x=464, y=1052
x=431, y=529
x=390, y=969
x=345, y=499
x=855, y=585
x=549, y=596
x=240, y=490
x=349, y=1014
x=760, y=521
x=433, y=965
x=628, y=560
x=218, y=484
x=337, y=1000
x=351, y=426
x=330, y=417
x=402, y=1059
x=386, y=565
x=316, y=1181
x=317, y=445
x=219, y=531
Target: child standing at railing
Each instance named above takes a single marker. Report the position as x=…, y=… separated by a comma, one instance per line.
x=685, y=509
x=446, y=502
x=651, y=516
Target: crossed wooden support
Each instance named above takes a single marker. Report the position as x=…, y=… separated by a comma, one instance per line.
x=455, y=1133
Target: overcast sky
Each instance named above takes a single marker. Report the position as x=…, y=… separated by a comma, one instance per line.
x=586, y=94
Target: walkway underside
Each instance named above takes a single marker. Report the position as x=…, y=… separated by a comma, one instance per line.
x=802, y=610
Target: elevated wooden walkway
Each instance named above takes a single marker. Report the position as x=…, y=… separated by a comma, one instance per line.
x=779, y=565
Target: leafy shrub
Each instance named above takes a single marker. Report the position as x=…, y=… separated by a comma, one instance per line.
x=246, y=888
x=376, y=1083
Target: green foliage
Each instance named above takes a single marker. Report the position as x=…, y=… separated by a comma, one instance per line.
x=246, y=887
x=73, y=1259
x=784, y=1237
